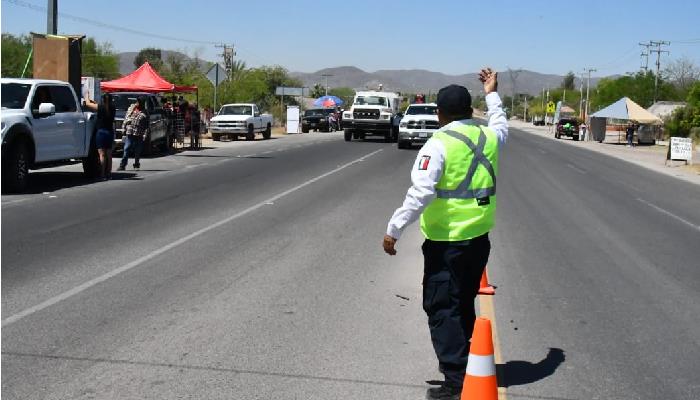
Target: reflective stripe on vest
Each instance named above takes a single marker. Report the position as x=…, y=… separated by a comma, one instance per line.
x=462, y=191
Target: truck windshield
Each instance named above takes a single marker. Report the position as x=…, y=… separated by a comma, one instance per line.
x=313, y=113
x=236, y=110
x=421, y=110
x=123, y=101
x=14, y=95
x=371, y=101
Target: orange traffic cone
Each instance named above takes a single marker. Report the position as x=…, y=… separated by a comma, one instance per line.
x=480, y=379
x=485, y=287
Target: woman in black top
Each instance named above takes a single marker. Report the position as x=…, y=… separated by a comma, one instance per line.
x=104, y=138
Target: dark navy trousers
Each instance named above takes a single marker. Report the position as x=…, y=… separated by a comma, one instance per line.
x=452, y=273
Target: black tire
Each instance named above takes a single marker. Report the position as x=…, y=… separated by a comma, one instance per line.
x=575, y=138
x=15, y=169
x=251, y=133
x=268, y=132
x=147, y=145
x=348, y=135
x=304, y=130
x=216, y=137
x=91, y=163
x=403, y=144
x=388, y=137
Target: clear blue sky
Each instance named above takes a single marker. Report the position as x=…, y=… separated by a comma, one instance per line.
x=447, y=36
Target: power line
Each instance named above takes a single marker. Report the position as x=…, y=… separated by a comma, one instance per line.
x=658, y=51
x=88, y=21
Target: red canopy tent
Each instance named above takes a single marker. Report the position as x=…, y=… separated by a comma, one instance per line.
x=144, y=79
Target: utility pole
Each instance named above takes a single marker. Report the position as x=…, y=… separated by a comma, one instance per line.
x=227, y=54
x=513, y=78
x=658, y=52
x=645, y=54
x=52, y=17
x=525, y=109
x=588, y=89
x=326, y=76
x=580, y=102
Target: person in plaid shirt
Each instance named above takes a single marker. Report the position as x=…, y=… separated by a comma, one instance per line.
x=135, y=130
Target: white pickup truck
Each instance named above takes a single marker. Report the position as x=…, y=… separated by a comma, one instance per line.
x=418, y=124
x=372, y=113
x=43, y=124
x=234, y=120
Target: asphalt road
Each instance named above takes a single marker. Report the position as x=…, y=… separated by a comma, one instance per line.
x=254, y=271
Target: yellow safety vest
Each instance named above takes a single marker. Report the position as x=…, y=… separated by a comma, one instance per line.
x=465, y=206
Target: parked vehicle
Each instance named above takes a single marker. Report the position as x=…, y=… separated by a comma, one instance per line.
x=372, y=113
x=567, y=127
x=43, y=124
x=538, y=120
x=316, y=119
x=418, y=125
x=157, y=134
x=234, y=120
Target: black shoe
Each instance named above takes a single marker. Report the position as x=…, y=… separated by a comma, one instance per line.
x=137, y=166
x=121, y=168
x=444, y=393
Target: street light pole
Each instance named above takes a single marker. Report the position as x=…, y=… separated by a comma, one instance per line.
x=326, y=76
x=52, y=17
x=588, y=88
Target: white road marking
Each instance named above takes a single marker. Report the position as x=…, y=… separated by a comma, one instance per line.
x=670, y=214
x=81, y=288
x=575, y=168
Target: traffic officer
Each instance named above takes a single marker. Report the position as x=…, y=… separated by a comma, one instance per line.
x=454, y=193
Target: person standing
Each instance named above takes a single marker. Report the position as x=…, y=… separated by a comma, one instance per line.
x=454, y=193
x=136, y=128
x=583, y=131
x=104, y=137
x=629, y=133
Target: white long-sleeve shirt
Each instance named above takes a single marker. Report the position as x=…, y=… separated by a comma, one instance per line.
x=427, y=169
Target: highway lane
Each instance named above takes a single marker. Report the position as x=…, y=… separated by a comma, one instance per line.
x=598, y=258
x=294, y=299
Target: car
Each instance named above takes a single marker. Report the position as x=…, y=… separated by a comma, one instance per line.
x=316, y=119
x=567, y=127
x=538, y=120
x=418, y=124
x=43, y=125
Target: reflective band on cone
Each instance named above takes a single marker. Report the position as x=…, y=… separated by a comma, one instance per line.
x=480, y=379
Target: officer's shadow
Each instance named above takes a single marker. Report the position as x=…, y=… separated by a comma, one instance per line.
x=514, y=373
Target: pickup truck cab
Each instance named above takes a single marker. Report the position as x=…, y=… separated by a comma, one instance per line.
x=419, y=123
x=240, y=119
x=372, y=113
x=43, y=124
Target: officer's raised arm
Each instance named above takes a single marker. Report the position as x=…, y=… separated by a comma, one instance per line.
x=496, y=116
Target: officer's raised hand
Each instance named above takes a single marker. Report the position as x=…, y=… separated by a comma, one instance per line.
x=388, y=244
x=490, y=80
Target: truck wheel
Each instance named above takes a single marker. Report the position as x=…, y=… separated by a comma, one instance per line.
x=575, y=138
x=91, y=163
x=401, y=144
x=348, y=135
x=15, y=169
x=387, y=137
x=147, y=145
x=251, y=133
x=215, y=137
x=304, y=130
x=268, y=132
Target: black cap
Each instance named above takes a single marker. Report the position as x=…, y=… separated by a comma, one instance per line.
x=454, y=100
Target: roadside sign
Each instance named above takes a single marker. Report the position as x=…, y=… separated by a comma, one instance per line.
x=681, y=149
x=291, y=91
x=216, y=74
x=551, y=107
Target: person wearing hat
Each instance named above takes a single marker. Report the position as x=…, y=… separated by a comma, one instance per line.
x=453, y=192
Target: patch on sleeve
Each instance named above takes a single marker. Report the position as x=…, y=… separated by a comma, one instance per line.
x=424, y=162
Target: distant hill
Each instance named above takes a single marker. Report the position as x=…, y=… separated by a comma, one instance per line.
x=418, y=80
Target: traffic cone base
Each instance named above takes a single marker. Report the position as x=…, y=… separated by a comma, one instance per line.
x=485, y=287
x=480, y=379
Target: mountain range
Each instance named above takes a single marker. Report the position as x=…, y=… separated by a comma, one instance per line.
x=402, y=80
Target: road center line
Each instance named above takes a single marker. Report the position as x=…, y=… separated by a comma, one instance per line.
x=670, y=214
x=81, y=288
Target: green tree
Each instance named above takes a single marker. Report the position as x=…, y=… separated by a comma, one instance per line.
x=152, y=55
x=317, y=91
x=344, y=93
x=15, y=50
x=99, y=60
x=568, y=82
